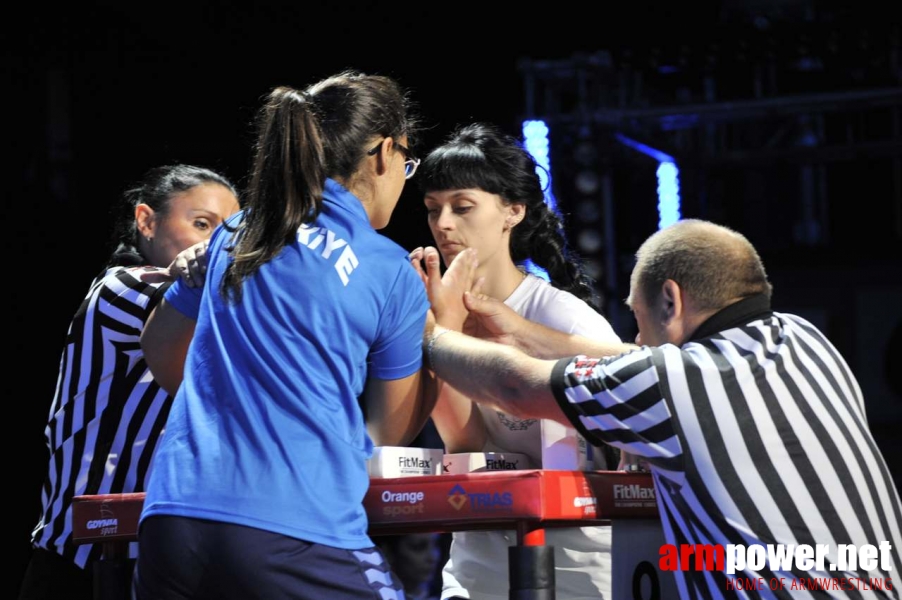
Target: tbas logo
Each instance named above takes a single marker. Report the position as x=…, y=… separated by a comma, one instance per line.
x=457, y=497
x=633, y=492
x=481, y=502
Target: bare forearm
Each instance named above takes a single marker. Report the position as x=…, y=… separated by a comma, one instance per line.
x=543, y=342
x=458, y=421
x=164, y=341
x=429, y=390
x=397, y=410
x=495, y=375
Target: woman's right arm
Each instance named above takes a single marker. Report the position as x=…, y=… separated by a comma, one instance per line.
x=458, y=421
x=165, y=341
x=397, y=409
x=170, y=327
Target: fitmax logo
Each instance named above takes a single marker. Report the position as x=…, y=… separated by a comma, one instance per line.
x=419, y=463
x=502, y=465
x=633, y=492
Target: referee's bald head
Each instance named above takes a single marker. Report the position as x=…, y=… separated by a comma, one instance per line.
x=715, y=265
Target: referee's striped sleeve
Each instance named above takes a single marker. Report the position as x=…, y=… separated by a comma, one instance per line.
x=559, y=388
x=619, y=401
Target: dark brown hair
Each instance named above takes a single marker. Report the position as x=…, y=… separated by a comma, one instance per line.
x=303, y=138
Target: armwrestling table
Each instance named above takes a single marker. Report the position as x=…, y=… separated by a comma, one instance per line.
x=527, y=501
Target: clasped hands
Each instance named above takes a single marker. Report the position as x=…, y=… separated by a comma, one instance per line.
x=457, y=301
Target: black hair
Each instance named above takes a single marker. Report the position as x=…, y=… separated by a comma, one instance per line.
x=481, y=156
x=155, y=189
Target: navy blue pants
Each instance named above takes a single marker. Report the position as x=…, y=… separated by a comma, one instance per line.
x=181, y=558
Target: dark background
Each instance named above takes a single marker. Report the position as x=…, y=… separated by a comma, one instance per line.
x=783, y=116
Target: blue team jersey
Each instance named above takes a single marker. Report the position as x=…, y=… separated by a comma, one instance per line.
x=266, y=430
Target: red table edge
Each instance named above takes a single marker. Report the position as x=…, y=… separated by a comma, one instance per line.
x=536, y=499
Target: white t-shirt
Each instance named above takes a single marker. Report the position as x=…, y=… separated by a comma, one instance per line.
x=477, y=566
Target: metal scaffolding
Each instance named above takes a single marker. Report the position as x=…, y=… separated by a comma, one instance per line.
x=757, y=102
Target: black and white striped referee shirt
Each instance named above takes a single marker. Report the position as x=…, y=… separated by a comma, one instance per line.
x=107, y=412
x=756, y=433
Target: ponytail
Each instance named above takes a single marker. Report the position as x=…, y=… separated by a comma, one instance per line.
x=286, y=185
x=304, y=137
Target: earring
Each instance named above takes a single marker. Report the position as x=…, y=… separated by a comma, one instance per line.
x=149, y=239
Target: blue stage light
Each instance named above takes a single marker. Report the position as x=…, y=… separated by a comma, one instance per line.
x=668, y=194
x=535, y=140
